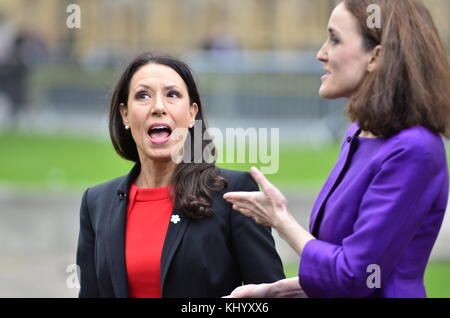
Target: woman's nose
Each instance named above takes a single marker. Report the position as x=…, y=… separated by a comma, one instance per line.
x=158, y=107
x=321, y=55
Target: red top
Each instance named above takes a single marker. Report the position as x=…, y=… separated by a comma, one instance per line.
x=148, y=217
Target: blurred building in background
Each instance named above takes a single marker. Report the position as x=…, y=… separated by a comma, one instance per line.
x=255, y=59
x=180, y=25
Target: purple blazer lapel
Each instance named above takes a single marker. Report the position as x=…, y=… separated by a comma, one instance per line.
x=333, y=177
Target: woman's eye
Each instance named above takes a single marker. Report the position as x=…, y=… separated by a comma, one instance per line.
x=174, y=94
x=334, y=40
x=142, y=95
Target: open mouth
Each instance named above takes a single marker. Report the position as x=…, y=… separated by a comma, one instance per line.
x=159, y=133
x=325, y=75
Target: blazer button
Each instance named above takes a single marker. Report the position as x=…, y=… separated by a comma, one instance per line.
x=349, y=139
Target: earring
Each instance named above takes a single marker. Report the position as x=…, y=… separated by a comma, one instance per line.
x=127, y=127
x=191, y=125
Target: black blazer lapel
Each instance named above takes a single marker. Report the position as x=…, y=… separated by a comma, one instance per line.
x=175, y=232
x=116, y=237
x=116, y=226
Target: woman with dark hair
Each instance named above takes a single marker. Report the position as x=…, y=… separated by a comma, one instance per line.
x=376, y=219
x=164, y=229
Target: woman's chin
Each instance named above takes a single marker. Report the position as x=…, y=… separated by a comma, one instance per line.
x=159, y=155
x=323, y=93
x=329, y=94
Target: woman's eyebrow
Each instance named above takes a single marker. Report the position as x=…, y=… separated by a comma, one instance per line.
x=167, y=87
x=171, y=86
x=333, y=31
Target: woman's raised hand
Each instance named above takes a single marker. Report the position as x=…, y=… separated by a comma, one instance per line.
x=266, y=207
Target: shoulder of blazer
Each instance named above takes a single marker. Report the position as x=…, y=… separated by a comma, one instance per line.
x=235, y=178
x=107, y=189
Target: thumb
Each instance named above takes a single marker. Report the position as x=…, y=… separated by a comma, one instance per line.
x=269, y=189
x=260, y=179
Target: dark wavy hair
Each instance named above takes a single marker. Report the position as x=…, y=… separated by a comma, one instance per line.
x=194, y=183
x=411, y=86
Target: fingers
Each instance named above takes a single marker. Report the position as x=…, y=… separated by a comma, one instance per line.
x=244, y=208
x=237, y=196
x=244, y=199
x=245, y=291
x=242, y=205
x=241, y=202
x=250, y=204
x=251, y=213
x=245, y=211
x=269, y=189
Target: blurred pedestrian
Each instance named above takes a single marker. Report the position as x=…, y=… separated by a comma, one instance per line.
x=13, y=69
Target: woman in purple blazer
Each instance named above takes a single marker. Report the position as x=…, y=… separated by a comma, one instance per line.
x=378, y=215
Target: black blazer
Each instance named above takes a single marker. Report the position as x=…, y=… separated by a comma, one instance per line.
x=200, y=258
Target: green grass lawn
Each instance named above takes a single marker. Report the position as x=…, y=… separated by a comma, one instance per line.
x=58, y=161
x=32, y=161
x=50, y=161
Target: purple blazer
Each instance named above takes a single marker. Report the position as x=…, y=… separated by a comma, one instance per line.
x=383, y=204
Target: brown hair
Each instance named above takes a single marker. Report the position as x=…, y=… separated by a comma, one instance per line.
x=411, y=86
x=194, y=183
